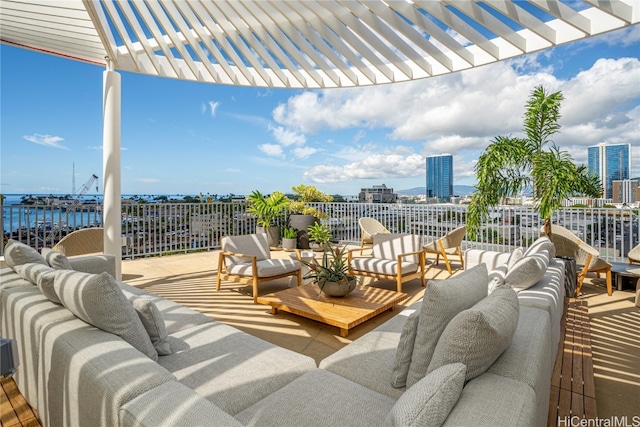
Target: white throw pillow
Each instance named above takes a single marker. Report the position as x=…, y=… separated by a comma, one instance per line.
x=497, y=277
x=542, y=243
x=477, y=337
x=527, y=271
x=516, y=254
x=98, y=300
x=153, y=322
x=428, y=402
x=443, y=300
x=405, y=350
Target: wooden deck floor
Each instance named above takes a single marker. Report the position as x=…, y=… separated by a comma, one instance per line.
x=14, y=409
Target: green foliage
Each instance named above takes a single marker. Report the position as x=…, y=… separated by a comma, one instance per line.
x=333, y=268
x=304, y=194
x=289, y=233
x=509, y=165
x=267, y=209
x=319, y=233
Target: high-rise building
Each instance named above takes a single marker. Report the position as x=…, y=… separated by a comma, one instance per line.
x=610, y=162
x=440, y=177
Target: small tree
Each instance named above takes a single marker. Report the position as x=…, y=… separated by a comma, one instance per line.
x=267, y=209
x=304, y=194
x=509, y=165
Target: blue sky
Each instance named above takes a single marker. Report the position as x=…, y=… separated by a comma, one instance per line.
x=185, y=138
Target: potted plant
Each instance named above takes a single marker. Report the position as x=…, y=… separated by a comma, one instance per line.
x=267, y=210
x=331, y=274
x=302, y=214
x=289, y=238
x=319, y=236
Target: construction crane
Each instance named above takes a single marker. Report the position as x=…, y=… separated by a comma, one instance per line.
x=75, y=202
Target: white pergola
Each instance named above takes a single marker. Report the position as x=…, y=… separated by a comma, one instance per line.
x=291, y=44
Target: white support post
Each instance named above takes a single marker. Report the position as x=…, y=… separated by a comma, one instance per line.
x=111, y=163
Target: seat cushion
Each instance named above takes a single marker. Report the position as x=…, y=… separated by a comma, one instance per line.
x=428, y=402
x=98, y=300
x=477, y=337
x=382, y=266
x=266, y=267
x=17, y=253
x=443, y=300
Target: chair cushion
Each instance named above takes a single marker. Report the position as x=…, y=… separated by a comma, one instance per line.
x=443, y=300
x=98, y=300
x=477, y=337
x=405, y=349
x=266, y=267
x=528, y=270
x=153, y=322
x=389, y=246
x=17, y=253
x=251, y=244
x=56, y=260
x=428, y=402
x=382, y=266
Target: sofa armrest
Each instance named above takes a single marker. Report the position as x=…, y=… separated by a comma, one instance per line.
x=95, y=264
x=492, y=259
x=173, y=403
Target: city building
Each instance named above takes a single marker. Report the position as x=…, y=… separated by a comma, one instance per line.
x=377, y=194
x=440, y=177
x=610, y=162
x=625, y=191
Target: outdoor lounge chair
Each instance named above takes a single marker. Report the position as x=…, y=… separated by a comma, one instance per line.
x=396, y=257
x=634, y=255
x=449, y=244
x=247, y=259
x=82, y=242
x=587, y=257
x=369, y=228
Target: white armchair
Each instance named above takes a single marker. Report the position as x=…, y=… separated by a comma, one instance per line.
x=398, y=257
x=247, y=259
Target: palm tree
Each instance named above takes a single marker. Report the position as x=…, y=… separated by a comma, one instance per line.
x=510, y=164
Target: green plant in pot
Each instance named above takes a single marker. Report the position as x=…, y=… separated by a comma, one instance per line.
x=267, y=210
x=302, y=214
x=319, y=236
x=289, y=238
x=331, y=274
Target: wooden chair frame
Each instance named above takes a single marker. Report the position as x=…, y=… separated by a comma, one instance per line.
x=254, y=280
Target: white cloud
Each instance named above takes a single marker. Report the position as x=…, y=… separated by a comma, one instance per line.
x=213, y=106
x=46, y=140
x=287, y=137
x=304, y=152
x=272, y=150
x=370, y=166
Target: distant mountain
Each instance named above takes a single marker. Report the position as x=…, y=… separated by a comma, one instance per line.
x=458, y=190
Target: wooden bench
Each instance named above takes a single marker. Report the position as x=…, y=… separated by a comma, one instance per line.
x=572, y=384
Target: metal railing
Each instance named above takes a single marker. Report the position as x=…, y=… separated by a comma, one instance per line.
x=150, y=229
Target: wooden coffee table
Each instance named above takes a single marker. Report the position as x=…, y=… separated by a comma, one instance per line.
x=359, y=306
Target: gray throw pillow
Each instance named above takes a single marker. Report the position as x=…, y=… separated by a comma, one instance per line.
x=40, y=275
x=98, y=300
x=443, y=300
x=477, y=337
x=429, y=401
x=527, y=271
x=17, y=253
x=153, y=322
x=404, y=351
x=56, y=260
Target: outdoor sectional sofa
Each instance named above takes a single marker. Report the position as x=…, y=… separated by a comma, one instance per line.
x=191, y=370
